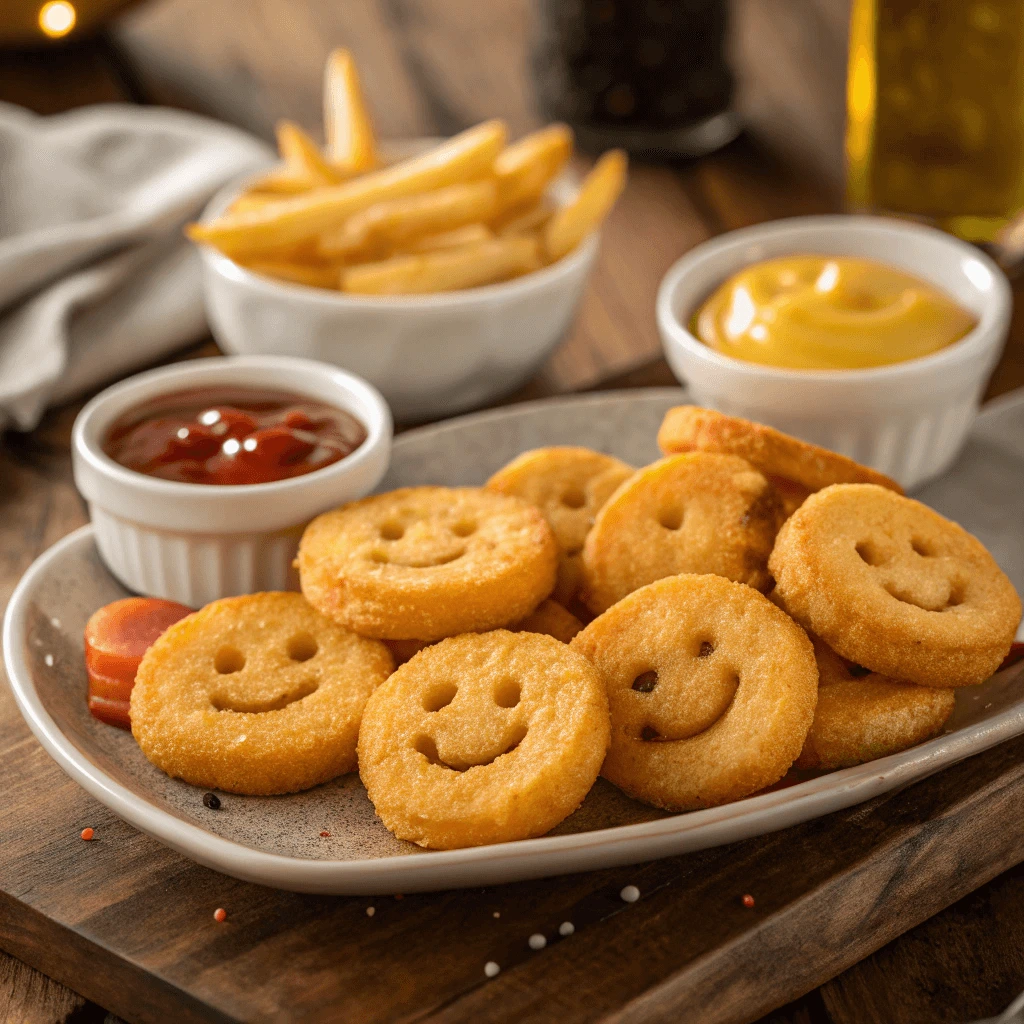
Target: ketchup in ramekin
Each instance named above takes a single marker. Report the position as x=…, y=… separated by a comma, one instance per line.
x=225, y=435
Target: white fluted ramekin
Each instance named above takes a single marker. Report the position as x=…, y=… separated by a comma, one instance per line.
x=908, y=420
x=195, y=543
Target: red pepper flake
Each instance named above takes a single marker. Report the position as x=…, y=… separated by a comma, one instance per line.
x=325, y=835
x=399, y=896
x=87, y=834
x=748, y=900
x=220, y=915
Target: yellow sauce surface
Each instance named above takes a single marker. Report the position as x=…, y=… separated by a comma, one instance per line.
x=828, y=313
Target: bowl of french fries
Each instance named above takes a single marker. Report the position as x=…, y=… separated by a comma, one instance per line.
x=442, y=271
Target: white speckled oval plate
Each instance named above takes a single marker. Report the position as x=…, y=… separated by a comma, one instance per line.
x=277, y=840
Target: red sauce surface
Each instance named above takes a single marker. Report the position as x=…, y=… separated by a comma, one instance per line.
x=232, y=436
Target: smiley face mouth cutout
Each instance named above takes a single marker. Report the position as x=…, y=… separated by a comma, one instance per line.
x=702, y=719
x=257, y=706
x=426, y=746
x=956, y=597
x=926, y=587
x=425, y=561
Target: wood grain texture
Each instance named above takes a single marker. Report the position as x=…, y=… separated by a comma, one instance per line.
x=28, y=997
x=129, y=923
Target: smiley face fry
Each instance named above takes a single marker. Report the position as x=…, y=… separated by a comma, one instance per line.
x=258, y=694
x=696, y=513
x=711, y=690
x=890, y=584
x=424, y=563
x=483, y=738
x=860, y=718
x=800, y=467
x=569, y=486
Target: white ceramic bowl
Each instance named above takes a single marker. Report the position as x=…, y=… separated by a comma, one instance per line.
x=908, y=420
x=195, y=543
x=430, y=355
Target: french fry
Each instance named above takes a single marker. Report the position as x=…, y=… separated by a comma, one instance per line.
x=467, y=266
x=350, y=138
x=523, y=220
x=278, y=226
x=601, y=187
x=527, y=166
x=313, y=275
x=466, y=235
x=303, y=157
x=393, y=222
x=251, y=201
x=282, y=181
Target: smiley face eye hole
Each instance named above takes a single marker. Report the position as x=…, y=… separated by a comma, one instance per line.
x=574, y=498
x=706, y=649
x=671, y=518
x=645, y=682
x=464, y=528
x=869, y=553
x=507, y=693
x=392, y=530
x=648, y=734
x=439, y=696
x=301, y=647
x=228, y=659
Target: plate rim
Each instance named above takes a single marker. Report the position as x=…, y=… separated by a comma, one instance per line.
x=484, y=865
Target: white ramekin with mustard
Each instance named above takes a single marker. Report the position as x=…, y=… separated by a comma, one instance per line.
x=867, y=335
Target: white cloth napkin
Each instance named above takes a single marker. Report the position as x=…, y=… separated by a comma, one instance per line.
x=96, y=279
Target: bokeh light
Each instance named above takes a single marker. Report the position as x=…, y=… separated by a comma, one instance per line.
x=57, y=18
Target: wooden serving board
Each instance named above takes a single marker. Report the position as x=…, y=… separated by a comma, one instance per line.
x=129, y=924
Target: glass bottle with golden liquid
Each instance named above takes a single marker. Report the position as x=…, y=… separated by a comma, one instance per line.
x=935, y=112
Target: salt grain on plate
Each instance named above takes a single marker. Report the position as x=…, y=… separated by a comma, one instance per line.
x=55, y=622
x=49, y=661
x=497, y=913
x=630, y=894
x=537, y=941
x=491, y=969
x=566, y=928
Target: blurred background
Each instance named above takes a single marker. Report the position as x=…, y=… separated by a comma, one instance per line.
x=431, y=67
x=932, y=129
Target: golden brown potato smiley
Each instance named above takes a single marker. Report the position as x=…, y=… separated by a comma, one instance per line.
x=483, y=738
x=711, y=690
x=424, y=563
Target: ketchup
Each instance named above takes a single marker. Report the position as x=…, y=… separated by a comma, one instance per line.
x=232, y=436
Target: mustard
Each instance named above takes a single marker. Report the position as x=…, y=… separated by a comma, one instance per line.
x=828, y=313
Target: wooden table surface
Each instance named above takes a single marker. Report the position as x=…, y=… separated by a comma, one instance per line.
x=435, y=66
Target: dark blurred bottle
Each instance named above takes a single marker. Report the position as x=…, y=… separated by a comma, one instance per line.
x=935, y=111
x=647, y=75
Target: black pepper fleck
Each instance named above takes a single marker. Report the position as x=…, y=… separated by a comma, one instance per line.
x=212, y=801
